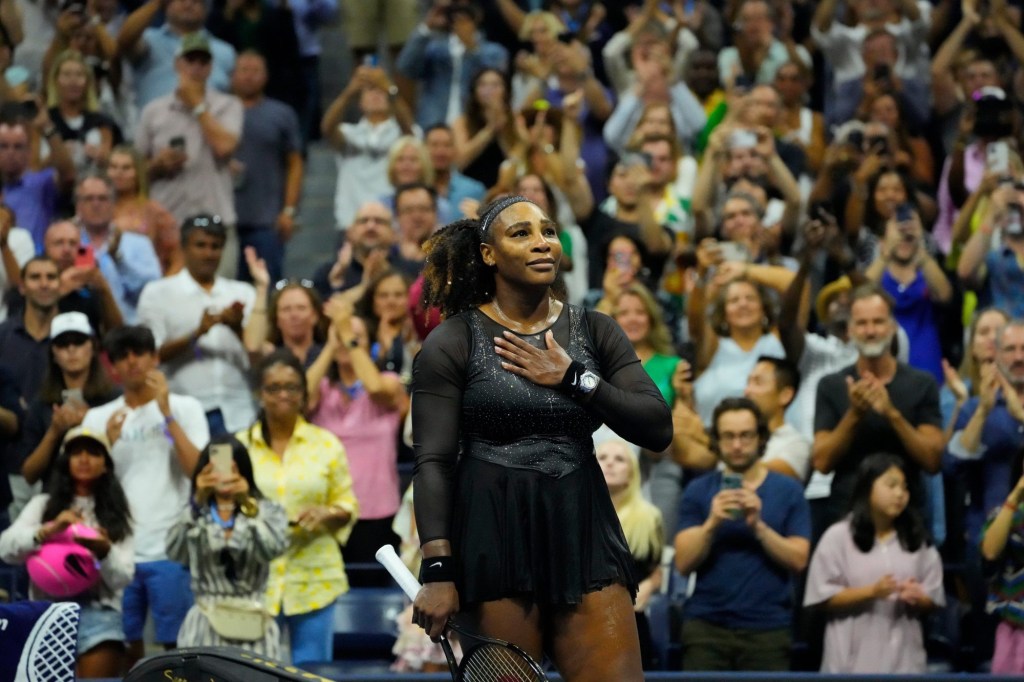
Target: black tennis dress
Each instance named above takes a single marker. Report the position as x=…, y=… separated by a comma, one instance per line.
x=505, y=469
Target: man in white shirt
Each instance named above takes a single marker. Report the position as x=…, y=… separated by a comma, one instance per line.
x=155, y=440
x=197, y=318
x=772, y=385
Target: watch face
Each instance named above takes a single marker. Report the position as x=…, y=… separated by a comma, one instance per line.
x=588, y=382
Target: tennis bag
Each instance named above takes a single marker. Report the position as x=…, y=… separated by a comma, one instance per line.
x=215, y=664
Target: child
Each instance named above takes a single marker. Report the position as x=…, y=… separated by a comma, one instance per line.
x=874, y=573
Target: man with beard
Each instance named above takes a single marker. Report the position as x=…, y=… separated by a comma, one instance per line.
x=743, y=525
x=916, y=282
x=877, y=404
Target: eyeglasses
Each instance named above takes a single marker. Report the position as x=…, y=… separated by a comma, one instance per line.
x=742, y=436
x=292, y=389
x=290, y=281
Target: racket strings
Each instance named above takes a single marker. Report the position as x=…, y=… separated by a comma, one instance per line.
x=494, y=663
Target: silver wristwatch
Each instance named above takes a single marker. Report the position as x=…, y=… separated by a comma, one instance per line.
x=586, y=383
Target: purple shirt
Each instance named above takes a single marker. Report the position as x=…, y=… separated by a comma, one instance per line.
x=33, y=199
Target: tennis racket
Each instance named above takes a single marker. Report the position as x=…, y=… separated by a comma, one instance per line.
x=489, y=660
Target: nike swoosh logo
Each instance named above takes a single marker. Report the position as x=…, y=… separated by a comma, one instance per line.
x=436, y=563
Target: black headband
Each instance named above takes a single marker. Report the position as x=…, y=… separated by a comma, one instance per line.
x=487, y=218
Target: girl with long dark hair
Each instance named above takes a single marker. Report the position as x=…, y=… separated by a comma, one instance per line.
x=228, y=537
x=74, y=381
x=874, y=573
x=304, y=469
x=83, y=490
x=486, y=132
x=519, y=532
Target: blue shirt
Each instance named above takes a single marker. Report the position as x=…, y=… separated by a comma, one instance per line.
x=309, y=16
x=154, y=71
x=738, y=584
x=33, y=199
x=459, y=187
x=1004, y=282
x=987, y=478
x=136, y=266
x=916, y=313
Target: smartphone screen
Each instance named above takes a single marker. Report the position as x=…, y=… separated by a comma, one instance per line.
x=86, y=257
x=221, y=456
x=997, y=157
x=72, y=395
x=177, y=143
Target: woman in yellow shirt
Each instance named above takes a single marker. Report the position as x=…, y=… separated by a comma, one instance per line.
x=304, y=469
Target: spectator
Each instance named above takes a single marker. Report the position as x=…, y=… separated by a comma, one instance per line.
x=126, y=259
x=88, y=135
x=367, y=245
x=364, y=407
x=16, y=247
x=1002, y=548
x=878, y=189
x=485, y=132
x=673, y=209
x=541, y=30
x=742, y=526
x=643, y=527
x=154, y=50
x=33, y=194
x=83, y=288
x=797, y=123
x=987, y=435
x=84, y=490
x=310, y=16
x=701, y=76
x=632, y=215
x=227, y=537
x=200, y=332
x=772, y=386
x=384, y=309
x=740, y=329
x=652, y=40
x=266, y=30
x=408, y=163
x=367, y=22
x=991, y=266
x=876, y=404
x=362, y=147
x=135, y=211
x=304, y=469
x=911, y=151
x=625, y=269
x=910, y=275
x=293, y=319
x=74, y=382
x=452, y=187
x=11, y=415
x=155, y=437
x=980, y=351
x=25, y=347
x=188, y=136
x=757, y=53
x=416, y=209
x=446, y=67
x=637, y=311
x=875, y=573
x=269, y=168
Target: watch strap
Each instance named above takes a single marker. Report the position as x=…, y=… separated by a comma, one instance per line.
x=571, y=379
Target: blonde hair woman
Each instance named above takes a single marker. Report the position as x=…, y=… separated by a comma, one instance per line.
x=641, y=524
x=135, y=211
x=74, y=109
x=409, y=162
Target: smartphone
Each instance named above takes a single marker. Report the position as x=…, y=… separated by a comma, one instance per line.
x=72, y=395
x=878, y=143
x=636, y=159
x=221, y=456
x=734, y=251
x=732, y=482
x=904, y=212
x=881, y=72
x=29, y=108
x=76, y=6
x=177, y=143
x=370, y=60
x=742, y=139
x=1014, y=225
x=743, y=83
x=621, y=260
x=86, y=257
x=997, y=157
x=566, y=37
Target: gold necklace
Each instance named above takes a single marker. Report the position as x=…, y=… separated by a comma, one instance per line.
x=519, y=326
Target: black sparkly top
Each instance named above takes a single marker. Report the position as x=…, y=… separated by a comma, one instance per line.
x=465, y=402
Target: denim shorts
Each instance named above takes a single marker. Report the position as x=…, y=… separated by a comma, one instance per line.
x=98, y=624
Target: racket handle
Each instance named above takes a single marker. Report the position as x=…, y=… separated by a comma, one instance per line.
x=387, y=556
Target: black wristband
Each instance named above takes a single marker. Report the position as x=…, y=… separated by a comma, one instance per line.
x=437, y=569
x=571, y=378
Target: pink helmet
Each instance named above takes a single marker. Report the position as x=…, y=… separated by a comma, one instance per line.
x=62, y=567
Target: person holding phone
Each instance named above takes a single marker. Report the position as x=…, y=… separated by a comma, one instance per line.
x=227, y=537
x=743, y=525
x=996, y=273
x=75, y=381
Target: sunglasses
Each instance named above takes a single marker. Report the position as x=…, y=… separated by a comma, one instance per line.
x=291, y=281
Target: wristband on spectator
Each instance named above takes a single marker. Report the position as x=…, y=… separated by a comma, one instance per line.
x=437, y=569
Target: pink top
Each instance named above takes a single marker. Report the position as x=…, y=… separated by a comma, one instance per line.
x=369, y=433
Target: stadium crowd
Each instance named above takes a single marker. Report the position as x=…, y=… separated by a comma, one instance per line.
x=806, y=217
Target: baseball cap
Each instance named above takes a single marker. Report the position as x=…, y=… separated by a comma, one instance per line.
x=83, y=433
x=193, y=42
x=70, y=323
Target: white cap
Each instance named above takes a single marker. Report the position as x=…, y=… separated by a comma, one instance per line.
x=67, y=323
